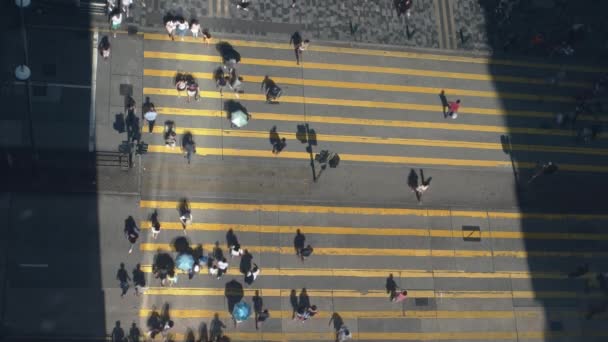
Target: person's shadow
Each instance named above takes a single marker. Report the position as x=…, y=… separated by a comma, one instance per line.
x=246, y=260
x=227, y=52
x=118, y=334
x=203, y=332
x=233, y=292
x=337, y=321
x=182, y=246
x=412, y=179
x=424, y=181
x=154, y=321
x=444, y=103
x=293, y=300
x=298, y=241
x=391, y=286
x=304, y=300
x=189, y=336
x=231, y=239
x=134, y=333
x=273, y=136
x=216, y=328
x=217, y=252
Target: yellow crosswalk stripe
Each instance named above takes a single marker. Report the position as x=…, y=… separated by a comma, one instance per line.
x=382, y=273
x=398, y=313
x=375, y=87
x=372, y=122
x=389, y=141
x=361, y=68
x=333, y=293
x=371, y=158
x=398, y=54
x=365, y=158
x=378, y=231
x=344, y=210
x=358, y=103
x=403, y=252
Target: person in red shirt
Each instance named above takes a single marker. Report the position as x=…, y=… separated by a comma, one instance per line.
x=453, y=109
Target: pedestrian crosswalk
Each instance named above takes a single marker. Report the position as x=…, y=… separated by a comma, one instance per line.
x=472, y=273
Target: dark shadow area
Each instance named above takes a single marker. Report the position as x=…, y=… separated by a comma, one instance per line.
x=233, y=292
x=564, y=40
x=337, y=321
x=50, y=273
x=216, y=328
x=228, y=53
x=246, y=262
x=391, y=286
x=293, y=301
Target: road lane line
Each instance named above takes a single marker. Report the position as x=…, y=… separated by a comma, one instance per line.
x=387, y=141
x=317, y=209
x=333, y=293
x=398, y=54
x=357, y=103
x=363, y=68
x=378, y=231
x=374, y=122
x=382, y=273
x=376, y=87
x=363, y=158
x=402, y=252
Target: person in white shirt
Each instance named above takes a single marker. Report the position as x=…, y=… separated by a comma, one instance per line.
x=195, y=28
x=222, y=266
x=182, y=27
x=170, y=26
x=116, y=21
x=236, y=250
x=150, y=116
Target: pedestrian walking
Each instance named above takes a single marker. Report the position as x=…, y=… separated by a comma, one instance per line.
x=123, y=277
x=192, y=91
x=181, y=84
x=118, y=335
x=171, y=278
x=403, y=7
x=261, y=317
x=169, y=134
x=419, y=189
x=306, y=252
x=116, y=21
x=344, y=334
x=131, y=232
x=293, y=3
x=299, y=45
x=279, y=146
x=185, y=215
x=189, y=148
x=166, y=328
x=252, y=275
x=104, y=48
x=298, y=242
x=155, y=225
x=150, y=117
x=127, y=5
x=235, y=83
x=213, y=270
x=271, y=89
x=139, y=280
x=236, y=250
x=243, y=5
x=453, y=109
x=222, y=267
x=545, y=169
x=182, y=27
x=206, y=36
x=195, y=28
x=170, y=26
x=304, y=313
x=400, y=297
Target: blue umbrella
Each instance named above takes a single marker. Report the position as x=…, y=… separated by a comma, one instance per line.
x=241, y=311
x=184, y=262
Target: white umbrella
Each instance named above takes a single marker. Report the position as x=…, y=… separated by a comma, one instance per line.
x=239, y=118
